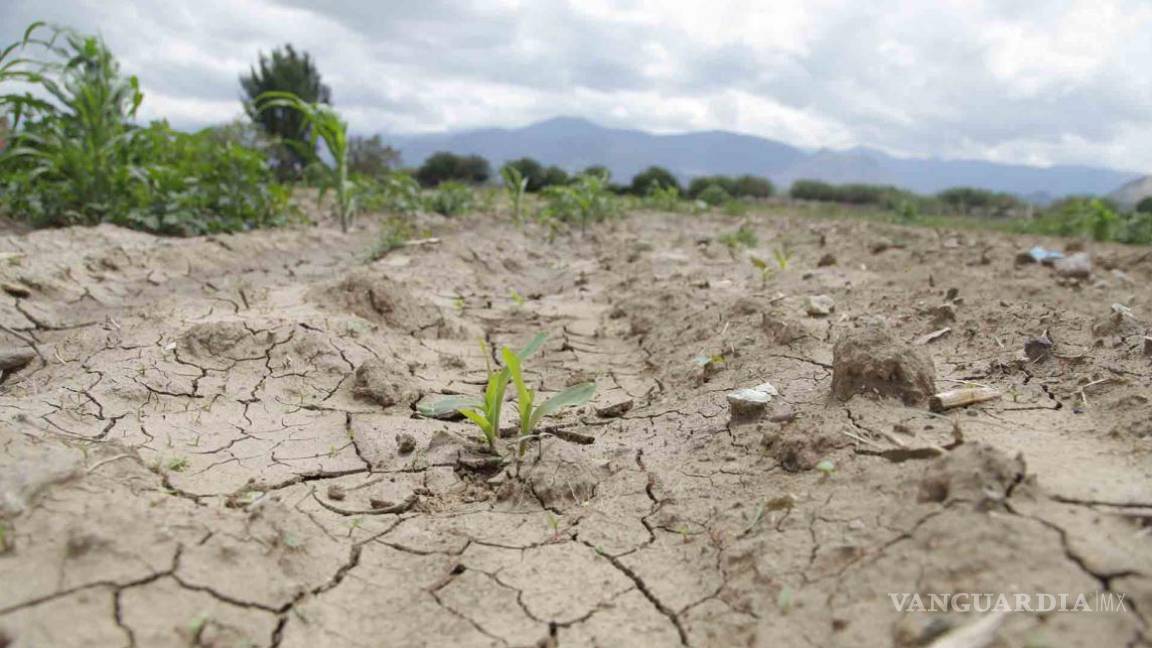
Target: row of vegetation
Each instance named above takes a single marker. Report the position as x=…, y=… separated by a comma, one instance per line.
x=72, y=152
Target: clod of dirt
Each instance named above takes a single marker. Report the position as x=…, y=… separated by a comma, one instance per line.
x=558, y=475
x=802, y=445
x=819, y=305
x=871, y=361
x=828, y=259
x=942, y=314
x=336, y=492
x=1121, y=321
x=1038, y=348
x=1133, y=416
x=1148, y=345
x=616, y=408
x=13, y=359
x=378, y=383
x=405, y=443
x=1076, y=266
x=974, y=472
x=15, y=289
x=781, y=331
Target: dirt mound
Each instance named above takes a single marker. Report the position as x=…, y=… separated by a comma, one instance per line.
x=377, y=297
x=975, y=473
x=379, y=382
x=872, y=362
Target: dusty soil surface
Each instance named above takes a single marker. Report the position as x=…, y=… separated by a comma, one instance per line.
x=218, y=444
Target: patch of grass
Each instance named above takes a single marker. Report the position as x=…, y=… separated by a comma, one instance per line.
x=450, y=199
x=177, y=464
x=394, y=233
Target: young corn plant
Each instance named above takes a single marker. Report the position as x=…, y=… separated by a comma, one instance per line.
x=326, y=125
x=515, y=184
x=530, y=412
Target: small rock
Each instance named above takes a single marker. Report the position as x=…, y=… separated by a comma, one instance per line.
x=336, y=492
x=615, y=409
x=1148, y=345
x=1038, y=348
x=13, y=359
x=377, y=503
x=1077, y=266
x=751, y=401
x=828, y=259
x=819, y=305
x=405, y=443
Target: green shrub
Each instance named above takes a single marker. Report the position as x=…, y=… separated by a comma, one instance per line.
x=585, y=200
x=714, y=196
x=654, y=176
x=750, y=186
x=449, y=167
x=450, y=199
x=79, y=160
x=395, y=192
x=1145, y=205
x=972, y=201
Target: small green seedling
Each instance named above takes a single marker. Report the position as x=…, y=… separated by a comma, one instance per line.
x=515, y=184
x=743, y=237
x=516, y=297
x=785, y=600
x=530, y=413
x=782, y=256
x=826, y=468
x=486, y=413
x=178, y=464
x=458, y=304
x=766, y=271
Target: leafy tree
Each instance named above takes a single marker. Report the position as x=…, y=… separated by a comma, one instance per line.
x=369, y=156
x=750, y=186
x=554, y=176
x=700, y=183
x=530, y=170
x=1145, y=205
x=445, y=166
x=714, y=195
x=600, y=171
x=286, y=70
x=643, y=182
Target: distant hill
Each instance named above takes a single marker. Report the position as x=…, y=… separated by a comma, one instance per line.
x=1132, y=192
x=574, y=144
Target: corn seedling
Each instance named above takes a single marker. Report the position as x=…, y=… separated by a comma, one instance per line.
x=826, y=469
x=515, y=184
x=327, y=126
x=783, y=257
x=485, y=411
x=530, y=413
x=766, y=271
x=516, y=297
x=742, y=237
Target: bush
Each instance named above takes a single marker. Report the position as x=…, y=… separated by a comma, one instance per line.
x=395, y=192
x=584, y=200
x=852, y=194
x=369, y=156
x=449, y=167
x=714, y=196
x=450, y=199
x=1145, y=205
x=972, y=201
x=554, y=176
x=702, y=183
x=80, y=161
x=749, y=186
x=643, y=182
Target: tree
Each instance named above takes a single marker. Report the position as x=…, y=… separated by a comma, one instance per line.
x=555, y=176
x=1145, y=205
x=286, y=70
x=750, y=186
x=598, y=170
x=445, y=166
x=530, y=170
x=643, y=182
x=369, y=156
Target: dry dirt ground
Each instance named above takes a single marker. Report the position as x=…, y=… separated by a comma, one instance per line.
x=219, y=445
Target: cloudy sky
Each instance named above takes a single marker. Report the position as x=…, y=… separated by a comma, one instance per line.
x=1032, y=81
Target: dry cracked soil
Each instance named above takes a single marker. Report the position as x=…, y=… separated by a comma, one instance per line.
x=216, y=440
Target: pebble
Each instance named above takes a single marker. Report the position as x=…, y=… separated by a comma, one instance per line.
x=615, y=408
x=1076, y=266
x=819, y=305
x=751, y=401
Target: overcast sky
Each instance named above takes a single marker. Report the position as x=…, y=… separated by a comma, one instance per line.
x=1032, y=81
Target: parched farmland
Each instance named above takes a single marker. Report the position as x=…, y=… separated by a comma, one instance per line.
x=217, y=441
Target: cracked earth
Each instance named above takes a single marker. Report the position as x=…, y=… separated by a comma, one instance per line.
x=217, y=444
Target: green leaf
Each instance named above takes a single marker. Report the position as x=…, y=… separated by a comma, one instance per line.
x=573, y=396
x=533, y=346
x=524, y=396
x=449, y=405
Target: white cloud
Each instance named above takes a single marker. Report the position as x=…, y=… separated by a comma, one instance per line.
x=1010, y=80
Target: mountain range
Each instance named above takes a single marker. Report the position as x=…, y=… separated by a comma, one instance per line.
x=574, y=144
